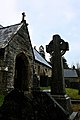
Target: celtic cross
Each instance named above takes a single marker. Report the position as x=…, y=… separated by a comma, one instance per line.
x=57, y=48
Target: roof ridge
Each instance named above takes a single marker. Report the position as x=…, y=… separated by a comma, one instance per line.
x=41, y=58
x=41, y=55
x=10, y=26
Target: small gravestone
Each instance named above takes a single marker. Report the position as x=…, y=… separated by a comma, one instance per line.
x=57, y=48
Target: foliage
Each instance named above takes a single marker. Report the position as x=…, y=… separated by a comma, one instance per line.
x=65, y=65
x=41, y=51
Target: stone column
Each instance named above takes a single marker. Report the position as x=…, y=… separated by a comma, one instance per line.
x=57, y=85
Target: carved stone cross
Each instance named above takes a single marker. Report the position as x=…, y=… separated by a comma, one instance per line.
x=57, y=47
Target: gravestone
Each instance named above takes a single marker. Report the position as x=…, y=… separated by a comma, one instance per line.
x=57, y=48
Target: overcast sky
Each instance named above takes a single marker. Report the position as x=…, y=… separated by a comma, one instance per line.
x=46, y=18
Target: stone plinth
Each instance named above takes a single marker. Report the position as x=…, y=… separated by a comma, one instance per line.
x=64, y=101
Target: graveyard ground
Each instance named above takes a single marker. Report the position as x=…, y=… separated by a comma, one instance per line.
x=72, y=93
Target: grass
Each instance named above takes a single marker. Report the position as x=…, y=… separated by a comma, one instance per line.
x=45, y=88
x=75, y=107
x=72, y=93
x=1, y=99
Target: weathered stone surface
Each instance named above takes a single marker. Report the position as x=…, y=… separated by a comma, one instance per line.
x=16, y=42
x=38, y=106
x=57, y=47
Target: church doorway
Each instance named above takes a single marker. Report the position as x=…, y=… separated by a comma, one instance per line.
x=21, y=78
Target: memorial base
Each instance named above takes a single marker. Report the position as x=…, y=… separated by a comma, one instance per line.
x=64, y=101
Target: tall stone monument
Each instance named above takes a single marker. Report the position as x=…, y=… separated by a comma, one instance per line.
x=57, y=48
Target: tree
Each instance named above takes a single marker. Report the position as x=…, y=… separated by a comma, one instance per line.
x=77, y=65
x=41, y=51
x=65, y=65
x=78, y=69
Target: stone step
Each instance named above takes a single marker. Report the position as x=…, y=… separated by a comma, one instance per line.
x=75, y=101
x=73, y=115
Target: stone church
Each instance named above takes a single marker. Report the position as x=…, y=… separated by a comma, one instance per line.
x=16, y=57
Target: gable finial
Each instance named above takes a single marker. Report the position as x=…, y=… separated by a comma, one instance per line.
x=23, y=16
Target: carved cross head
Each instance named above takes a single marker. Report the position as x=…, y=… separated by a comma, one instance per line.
x=57, y=44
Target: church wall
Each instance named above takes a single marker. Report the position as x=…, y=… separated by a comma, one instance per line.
x=19, y=44
x=42, y=69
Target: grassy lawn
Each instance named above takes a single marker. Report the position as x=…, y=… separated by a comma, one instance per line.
x=1, y=99
x=75, y=107
x=45, y=88
x=72, y=93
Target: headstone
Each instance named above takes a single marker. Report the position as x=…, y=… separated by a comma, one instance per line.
x=57, y=48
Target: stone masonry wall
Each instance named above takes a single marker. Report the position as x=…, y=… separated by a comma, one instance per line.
x=20, y=43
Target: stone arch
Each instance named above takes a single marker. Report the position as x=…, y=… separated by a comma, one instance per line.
x=22, y=71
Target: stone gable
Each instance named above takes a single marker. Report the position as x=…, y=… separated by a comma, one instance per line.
x=16, y=57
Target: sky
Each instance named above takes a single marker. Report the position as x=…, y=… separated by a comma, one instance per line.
x=47, y=18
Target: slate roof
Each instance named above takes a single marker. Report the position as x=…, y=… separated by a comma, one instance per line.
x=1, y=26
x=70, y=73
x=40, y=59
x=6, y=34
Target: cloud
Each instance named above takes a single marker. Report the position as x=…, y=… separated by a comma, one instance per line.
x=45, y=18
x=8, y=13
